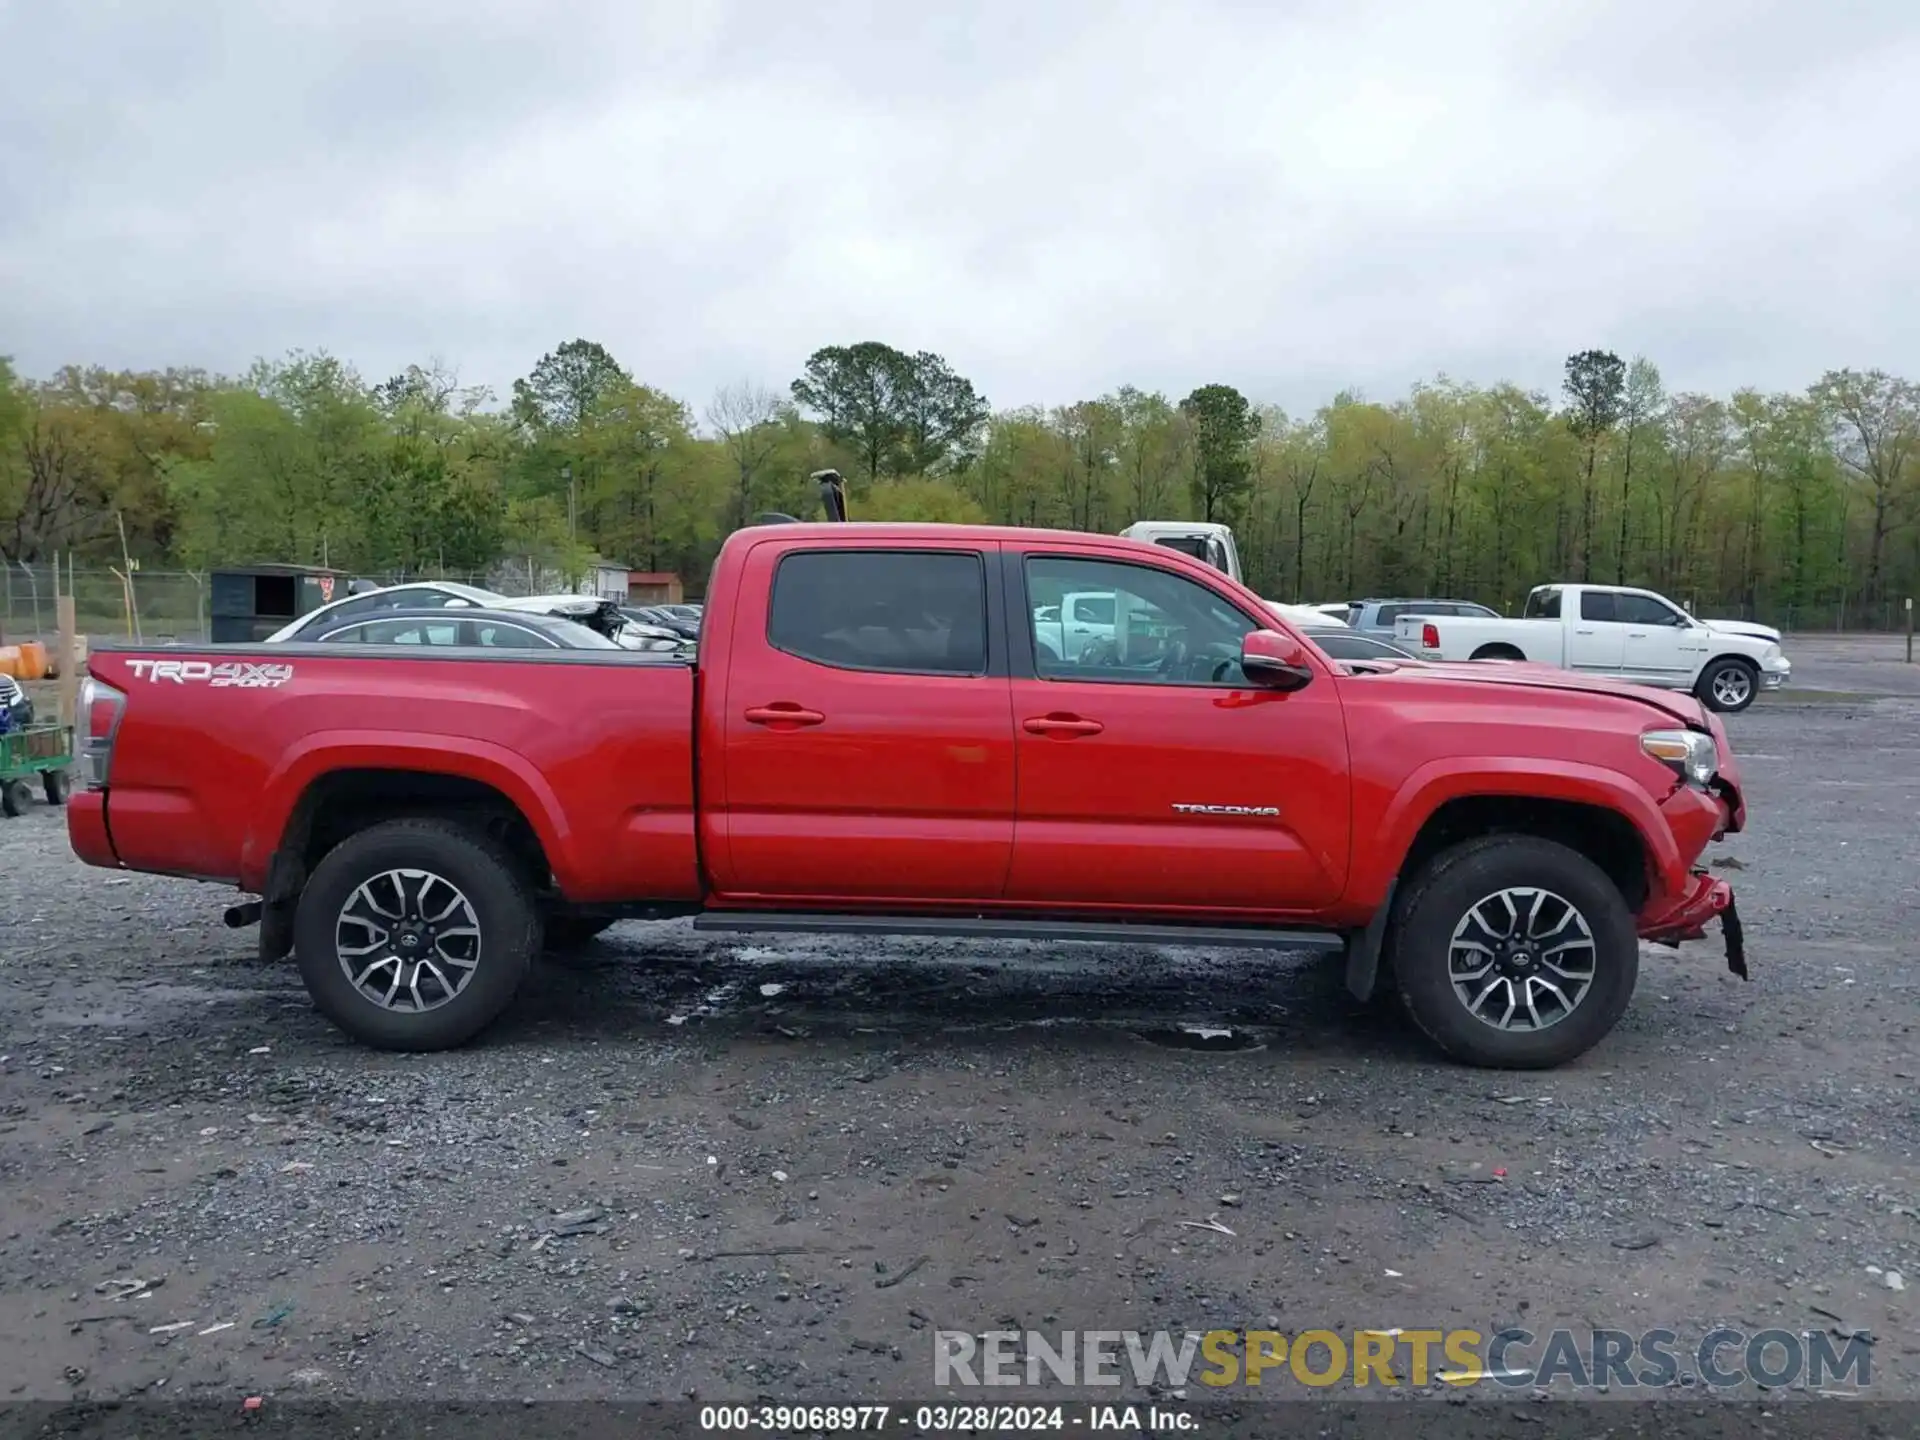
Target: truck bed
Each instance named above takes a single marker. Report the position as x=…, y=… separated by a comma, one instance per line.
x=594, y=747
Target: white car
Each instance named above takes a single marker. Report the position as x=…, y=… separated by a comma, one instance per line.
x=1619, y=632
x=590, y=610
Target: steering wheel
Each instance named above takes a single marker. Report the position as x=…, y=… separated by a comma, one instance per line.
x=1223, y=669
x=1099, y=653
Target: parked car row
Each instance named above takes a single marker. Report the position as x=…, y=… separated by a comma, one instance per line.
x=523, y=622
x=1616, y=631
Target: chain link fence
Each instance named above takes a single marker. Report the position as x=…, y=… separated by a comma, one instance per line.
x=173, y=604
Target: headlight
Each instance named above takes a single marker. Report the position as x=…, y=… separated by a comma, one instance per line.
x=1773, y=652
x=1689, y=754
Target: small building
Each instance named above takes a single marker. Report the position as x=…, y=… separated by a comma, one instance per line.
x=604, y=580
x=251, y=602
x=654, y=587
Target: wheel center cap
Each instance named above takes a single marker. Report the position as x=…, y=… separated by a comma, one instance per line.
x=1522, y=959
x=409, y=940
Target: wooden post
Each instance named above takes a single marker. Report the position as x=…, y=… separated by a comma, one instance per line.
x=69, y=660
x=1909, y=629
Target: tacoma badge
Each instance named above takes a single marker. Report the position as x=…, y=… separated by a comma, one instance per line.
x=1266, y=810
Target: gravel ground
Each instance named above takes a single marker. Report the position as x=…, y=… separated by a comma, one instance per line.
x=685, y=1166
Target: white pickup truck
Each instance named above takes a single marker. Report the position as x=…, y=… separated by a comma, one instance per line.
x=1610, y=630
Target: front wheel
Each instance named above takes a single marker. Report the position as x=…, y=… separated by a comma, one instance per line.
x=1514, y=952
x=415, y=934
x=1728, y=686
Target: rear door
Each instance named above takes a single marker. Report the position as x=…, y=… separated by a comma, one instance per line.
x=867, y=736
x=1596, y=639
x=1152, y=775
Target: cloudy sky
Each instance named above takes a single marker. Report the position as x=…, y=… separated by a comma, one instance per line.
x=1292, y=196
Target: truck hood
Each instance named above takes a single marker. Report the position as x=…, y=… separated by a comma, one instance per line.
x=1527, y=676
x=1743, y=627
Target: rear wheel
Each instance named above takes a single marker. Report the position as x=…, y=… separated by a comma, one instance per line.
x=1728, y=685
x=15, y=797
x=56, y=785
x=415, y=934
x=1514, y=952
x=1497, y=652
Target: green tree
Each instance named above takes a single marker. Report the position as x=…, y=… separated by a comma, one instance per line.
x=1876, y=437
x=1595, y=387
x=895, y=414
x=565, y=387
x=1224, y=427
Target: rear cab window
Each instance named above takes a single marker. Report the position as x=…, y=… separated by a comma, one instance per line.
x=910, y=612
x=1542, y=605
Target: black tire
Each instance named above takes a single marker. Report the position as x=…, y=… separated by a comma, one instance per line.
x=570, y=932
x=1440, y=898
x=56, y=785
x=1496, y=652
x=503, y=909
x=15, y=797
x=1728, y=684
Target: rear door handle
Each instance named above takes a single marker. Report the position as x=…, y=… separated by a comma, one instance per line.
x=783, y=714
x=1065, y=726
x=1636, y=634
x=1583, y=632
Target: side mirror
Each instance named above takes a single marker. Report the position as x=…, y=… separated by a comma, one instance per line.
x=1275, y=661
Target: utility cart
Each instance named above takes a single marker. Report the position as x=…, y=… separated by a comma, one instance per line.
x=45, y=751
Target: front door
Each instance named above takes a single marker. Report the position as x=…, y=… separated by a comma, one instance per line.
x=867, y=740
x=1662, y=645
x=1152, y=775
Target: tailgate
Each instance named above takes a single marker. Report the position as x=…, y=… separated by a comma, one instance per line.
x=183, y=755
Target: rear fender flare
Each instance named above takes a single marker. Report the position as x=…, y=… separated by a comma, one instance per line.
x=327, y=751
x=1439, y=781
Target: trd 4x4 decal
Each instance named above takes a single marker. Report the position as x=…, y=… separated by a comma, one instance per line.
x=242, y=674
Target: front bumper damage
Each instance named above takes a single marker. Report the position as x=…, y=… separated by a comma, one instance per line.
x=1687, y=917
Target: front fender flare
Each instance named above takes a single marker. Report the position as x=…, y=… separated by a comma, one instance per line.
x=1439, y=781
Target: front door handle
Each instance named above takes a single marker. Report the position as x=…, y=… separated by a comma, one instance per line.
x=1583, y=632
x=1636, y=634
x=784, y=715
x=1065, y=726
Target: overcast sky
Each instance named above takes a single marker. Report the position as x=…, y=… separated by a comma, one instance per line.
x=1061, y=196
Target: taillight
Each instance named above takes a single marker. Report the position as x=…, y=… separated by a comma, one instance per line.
x=101, y=707
x=1430, y=636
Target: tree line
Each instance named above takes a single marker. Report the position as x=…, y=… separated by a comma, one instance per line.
x=1802, y=506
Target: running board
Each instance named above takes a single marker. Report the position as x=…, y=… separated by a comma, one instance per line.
x=1081, y=931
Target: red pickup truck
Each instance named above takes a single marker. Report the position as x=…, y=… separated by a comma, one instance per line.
x=875, y=738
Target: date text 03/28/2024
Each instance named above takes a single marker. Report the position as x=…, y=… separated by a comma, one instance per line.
x=940, y=1419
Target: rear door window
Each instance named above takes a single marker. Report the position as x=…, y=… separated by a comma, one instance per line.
x=917, y=612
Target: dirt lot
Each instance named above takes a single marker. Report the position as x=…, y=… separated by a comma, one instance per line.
x=695, y=1167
